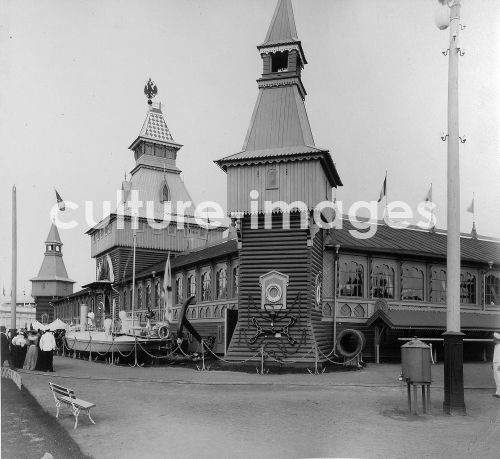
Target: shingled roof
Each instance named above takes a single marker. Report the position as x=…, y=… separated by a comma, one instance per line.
x=415, y=242
x=155, y=129
x=185, y=259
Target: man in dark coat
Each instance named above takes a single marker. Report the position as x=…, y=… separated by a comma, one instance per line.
x=5, y=355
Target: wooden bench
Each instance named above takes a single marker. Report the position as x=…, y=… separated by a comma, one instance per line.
x=67, y=396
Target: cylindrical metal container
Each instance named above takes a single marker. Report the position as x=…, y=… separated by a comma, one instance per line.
x=416, y=361
x=83, y=316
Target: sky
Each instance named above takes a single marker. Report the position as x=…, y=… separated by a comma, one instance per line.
x=71, y=102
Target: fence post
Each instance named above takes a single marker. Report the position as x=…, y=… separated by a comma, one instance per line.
x=262, y=360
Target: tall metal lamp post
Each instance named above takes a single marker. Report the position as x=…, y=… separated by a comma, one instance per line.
x=453, y=338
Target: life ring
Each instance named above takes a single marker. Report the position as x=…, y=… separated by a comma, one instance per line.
x=164, y=331
x=345, y=340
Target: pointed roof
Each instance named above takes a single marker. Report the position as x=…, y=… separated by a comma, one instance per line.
x=155, y=128
x=279, y=129
x=53, y=235
x=53, y=268
x=282, y=28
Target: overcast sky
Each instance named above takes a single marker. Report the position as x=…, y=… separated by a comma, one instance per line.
x=71, y=97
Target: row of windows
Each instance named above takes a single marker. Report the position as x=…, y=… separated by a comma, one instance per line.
x=188, y=231
x=221, y=285
x=412, y=288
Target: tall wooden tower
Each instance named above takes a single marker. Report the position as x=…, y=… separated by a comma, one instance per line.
x=52, y=281
x=156, y=182
x=279, y=176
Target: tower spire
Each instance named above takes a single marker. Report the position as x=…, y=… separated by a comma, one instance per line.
x=282, y=28
x=279, y=131
x=52, y=280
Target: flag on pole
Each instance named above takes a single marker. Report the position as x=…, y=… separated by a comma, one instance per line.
x=110, y=268
x=428, y=198
x=60, y=201
x=167, y=291
x=471, y=207
x=383, y=191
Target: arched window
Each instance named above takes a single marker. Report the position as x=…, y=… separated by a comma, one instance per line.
x=220, y=283
x=351, y=279
x=382, y=282
x=205, y=286
x=165, y=193
x=412, y=287
x=467, y=288
x=492, y=289
x=178, y=290
x=148, y=295
x=438, y=285
x=191, y=285
x=236, y=276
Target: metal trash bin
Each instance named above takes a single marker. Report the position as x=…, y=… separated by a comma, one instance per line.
x=416, y=361
x=416, y=370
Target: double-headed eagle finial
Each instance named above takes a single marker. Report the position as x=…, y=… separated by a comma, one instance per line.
x=150, y=90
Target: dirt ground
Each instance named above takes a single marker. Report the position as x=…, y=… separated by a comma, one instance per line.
x=28, y=431
x=184, y=413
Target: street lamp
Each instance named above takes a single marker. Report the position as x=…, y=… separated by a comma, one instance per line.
x=453, y=338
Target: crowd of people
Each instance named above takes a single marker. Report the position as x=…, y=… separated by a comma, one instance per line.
x=29, y=350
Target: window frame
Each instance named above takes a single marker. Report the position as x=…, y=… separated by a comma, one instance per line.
x=350, y=260
x=419, y=268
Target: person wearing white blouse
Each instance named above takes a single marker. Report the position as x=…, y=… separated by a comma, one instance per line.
x=47, y=346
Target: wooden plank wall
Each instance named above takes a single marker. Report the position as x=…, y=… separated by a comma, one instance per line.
x=323, y=331
x=286, y=251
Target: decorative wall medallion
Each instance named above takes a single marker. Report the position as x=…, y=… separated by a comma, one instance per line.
x=273, y=290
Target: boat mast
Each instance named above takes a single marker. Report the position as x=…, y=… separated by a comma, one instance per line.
x=13, y=295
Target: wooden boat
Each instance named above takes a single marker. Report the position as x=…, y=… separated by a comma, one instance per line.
x=99, y=341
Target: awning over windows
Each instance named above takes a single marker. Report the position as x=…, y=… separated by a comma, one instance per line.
x=434, y=320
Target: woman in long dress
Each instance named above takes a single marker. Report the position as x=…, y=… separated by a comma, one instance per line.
x=32, y=354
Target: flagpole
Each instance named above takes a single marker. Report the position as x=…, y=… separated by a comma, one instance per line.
x=13, y=295
x=133, y=275
x=473, y=209
x=432, y=210
x=385, y=182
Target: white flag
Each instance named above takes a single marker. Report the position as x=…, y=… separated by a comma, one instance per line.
x=383, y=191
x=167, y=291
x=471, y=207
x=110, y=268
x=428, y=198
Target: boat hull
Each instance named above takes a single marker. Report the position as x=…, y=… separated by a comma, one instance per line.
x=103, y=343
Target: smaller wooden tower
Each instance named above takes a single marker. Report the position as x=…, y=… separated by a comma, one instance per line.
x=274, y=184
x=52, y=281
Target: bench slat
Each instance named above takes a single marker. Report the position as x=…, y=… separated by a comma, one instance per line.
x=61, y=390
x=66, y=392
x=77, y=402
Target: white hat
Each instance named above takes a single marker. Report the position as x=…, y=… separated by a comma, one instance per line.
x=496, y=335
